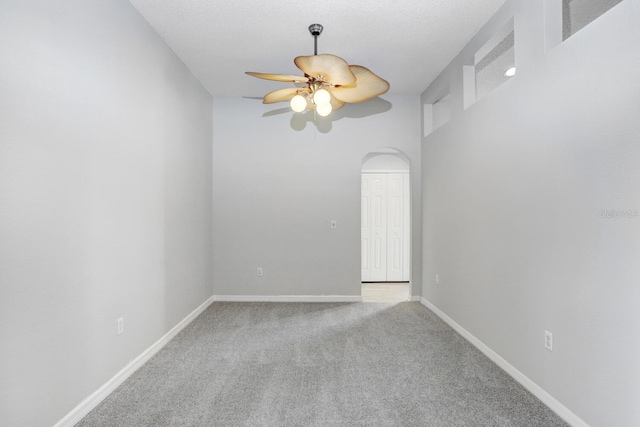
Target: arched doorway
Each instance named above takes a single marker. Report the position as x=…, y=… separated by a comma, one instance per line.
x=386, y=223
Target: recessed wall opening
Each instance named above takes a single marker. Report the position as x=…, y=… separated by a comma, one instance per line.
x=437, y=114
x=494, y=64
x=577, y=14
x=385, y=226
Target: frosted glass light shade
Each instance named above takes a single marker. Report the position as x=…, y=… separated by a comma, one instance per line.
x=324, y=110
x=298, y=103
x=321, y=97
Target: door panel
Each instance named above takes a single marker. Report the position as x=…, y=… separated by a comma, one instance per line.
x=406, y=229
x=365, y=232
x=395, y=204
x=385, y=234
x=378, y=271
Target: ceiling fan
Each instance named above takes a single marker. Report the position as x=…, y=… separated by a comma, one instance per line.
x=329, y=82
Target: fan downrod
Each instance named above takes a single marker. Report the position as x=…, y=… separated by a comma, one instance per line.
x=315, y=30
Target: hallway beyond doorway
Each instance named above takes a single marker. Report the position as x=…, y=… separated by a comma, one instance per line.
x=386, y=292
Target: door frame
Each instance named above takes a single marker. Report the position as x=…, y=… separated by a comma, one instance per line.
x=407, y=203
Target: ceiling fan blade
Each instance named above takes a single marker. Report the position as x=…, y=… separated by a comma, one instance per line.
x=280, y=95
x=278, y=77
x=367, y=86
x=326, y=67
x=336, y=104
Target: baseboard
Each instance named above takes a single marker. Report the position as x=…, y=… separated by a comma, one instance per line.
x=289, y=298
x=557, y=407
x=99, y=395
x=80, y=411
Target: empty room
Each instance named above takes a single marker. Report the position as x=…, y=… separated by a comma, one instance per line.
x=365, y=213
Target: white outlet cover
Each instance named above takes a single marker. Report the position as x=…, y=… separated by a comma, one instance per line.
x=548, y=340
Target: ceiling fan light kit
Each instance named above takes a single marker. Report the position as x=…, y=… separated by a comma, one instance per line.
x=298, y=103
x=330, y=82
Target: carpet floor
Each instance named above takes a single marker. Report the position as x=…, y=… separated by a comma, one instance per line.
x=320, y=364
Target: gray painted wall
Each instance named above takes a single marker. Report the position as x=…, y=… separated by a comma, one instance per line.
x=518, y=192
x=105, y=193
x=280, y=180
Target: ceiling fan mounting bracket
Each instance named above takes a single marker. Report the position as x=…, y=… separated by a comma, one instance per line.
x=315, y=29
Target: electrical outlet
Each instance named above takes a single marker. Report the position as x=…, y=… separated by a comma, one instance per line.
x=437, y=279
x=548, y=340
x=259, y=272
x=334, y=224
x=120, y=325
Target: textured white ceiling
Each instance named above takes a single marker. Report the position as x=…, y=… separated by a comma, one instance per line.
x=406, y=42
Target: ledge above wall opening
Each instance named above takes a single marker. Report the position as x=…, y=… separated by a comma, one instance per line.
x=493, y=65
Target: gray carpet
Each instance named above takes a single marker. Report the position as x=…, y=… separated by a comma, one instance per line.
x=320, y=364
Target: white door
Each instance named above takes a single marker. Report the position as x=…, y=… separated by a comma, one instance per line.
x=365, y=221
x=385, y=227
x=406, y=215
x=374, y=227
x=395, y=226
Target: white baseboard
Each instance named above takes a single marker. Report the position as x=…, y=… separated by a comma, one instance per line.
x=535, y=389
x=288, y=298
x=99, y=395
